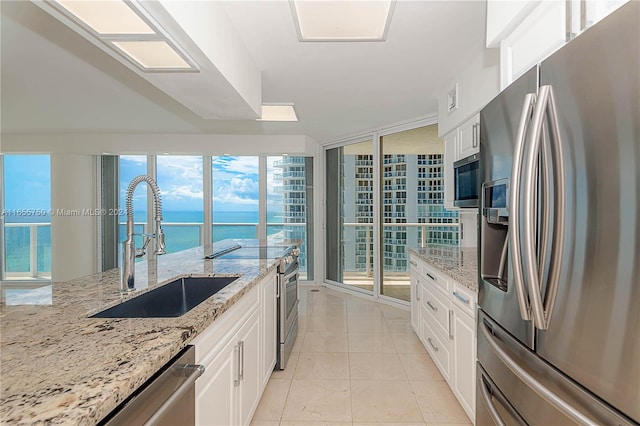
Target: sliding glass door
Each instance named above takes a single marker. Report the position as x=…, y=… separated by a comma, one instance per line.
x=349, y=215
x=383, y=197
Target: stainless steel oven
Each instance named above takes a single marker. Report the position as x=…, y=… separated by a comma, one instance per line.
x=288, y=274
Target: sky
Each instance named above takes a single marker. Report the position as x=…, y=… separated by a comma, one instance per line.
x=235, y=182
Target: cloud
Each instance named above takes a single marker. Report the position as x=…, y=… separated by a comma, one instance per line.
x=241, y=164
x=237, y=190
x=181, y=192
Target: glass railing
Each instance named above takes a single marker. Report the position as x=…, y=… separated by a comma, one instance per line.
x=27, y=251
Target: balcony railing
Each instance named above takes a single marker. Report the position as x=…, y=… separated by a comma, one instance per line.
x=28, y=245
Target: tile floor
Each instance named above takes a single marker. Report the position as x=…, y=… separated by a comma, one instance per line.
x=356, y=362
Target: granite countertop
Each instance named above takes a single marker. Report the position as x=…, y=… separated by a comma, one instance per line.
x=60, y=367
x=461, y=264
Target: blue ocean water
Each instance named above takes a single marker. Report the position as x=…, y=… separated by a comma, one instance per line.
x=17, y=239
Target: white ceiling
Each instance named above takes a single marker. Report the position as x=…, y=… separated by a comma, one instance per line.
x=53, y=80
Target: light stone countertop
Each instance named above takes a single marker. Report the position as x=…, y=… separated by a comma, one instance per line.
x=60, y=367
x=461, y=264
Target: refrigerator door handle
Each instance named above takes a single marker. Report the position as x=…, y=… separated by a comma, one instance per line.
x=514, y=207
x=557, y=246
x=535, y=385
x=545, y=108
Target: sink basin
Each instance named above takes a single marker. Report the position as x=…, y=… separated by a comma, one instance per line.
x=173, y=299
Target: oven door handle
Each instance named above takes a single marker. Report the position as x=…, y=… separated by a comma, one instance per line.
x=288, y=276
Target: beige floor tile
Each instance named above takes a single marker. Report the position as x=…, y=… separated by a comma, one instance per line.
x=297, y=345
x=387, y=424
x=318, y=400
x=316, y=341
x=366, y=325
x=437, y=403
x=408, y=343
x=420, y=367
x=264, y=422
x=371, y=342
x=289, y=369
x=384, y=401
x=395, y=313
x=376, y=366
x=322, y=365
x=449, y=424
x=399, y=326
x=328, y=323
x=315, y=424
x=273, y=399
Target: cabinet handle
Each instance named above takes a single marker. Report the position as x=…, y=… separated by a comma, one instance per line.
x=431, y=306
x=418, y=290
x=241, y=374
x=236, y=350
x=450, y=324
x=431, y=276
x=435, y=348
x=476, y=134
x=460, y=298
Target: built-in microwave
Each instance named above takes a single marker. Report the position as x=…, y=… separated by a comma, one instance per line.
x=465, y=178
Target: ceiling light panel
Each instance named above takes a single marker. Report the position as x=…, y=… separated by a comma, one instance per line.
x=348, y=20
x=278, y=113
x=107, y=17
x=154, y=54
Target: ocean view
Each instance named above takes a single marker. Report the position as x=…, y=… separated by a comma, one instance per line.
x=178, y=237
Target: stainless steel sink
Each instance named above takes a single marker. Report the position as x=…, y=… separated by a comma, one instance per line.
x=173, y=299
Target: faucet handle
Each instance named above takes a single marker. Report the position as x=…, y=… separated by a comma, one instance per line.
x=140, y=252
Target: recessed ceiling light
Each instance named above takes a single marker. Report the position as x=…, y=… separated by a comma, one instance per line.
x=156, y=54
x=128, y=29
x=107, y=17
x=281, y=112
x=348, y=20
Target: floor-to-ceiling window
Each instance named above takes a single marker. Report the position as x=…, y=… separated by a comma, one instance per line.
x=399, y=176
x=26, y=181
x=235, y=197
x=130, y=167
x=290, y=205
x=180, y=179
x=412, y=213
x=349, y=215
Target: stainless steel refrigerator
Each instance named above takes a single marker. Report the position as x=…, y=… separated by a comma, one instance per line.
x=559, y=287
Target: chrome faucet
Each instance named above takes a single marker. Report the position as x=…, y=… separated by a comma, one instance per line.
x=129, y=251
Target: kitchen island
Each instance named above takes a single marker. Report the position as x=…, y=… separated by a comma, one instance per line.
x=58, y=366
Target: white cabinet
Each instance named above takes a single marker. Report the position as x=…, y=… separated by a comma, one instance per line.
x=238, y=352
x=469, y=139
x=269, y=324
x=446, y=313
x=415, y=294
x=464, y=348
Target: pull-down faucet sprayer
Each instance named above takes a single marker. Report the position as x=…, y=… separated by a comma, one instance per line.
x=129, y=251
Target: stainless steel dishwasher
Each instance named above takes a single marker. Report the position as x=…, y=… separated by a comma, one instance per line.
x=168, y=398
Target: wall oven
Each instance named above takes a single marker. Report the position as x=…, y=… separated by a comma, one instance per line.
x=465, y=178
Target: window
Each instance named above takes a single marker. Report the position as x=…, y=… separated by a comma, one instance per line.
x=27, y=220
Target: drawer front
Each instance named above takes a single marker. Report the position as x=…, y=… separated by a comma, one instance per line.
x=464, y=298
x=437, y=309
x=438, y=350
x=435, y=278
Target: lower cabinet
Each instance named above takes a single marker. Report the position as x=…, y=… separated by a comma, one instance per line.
x=238, y=352
x=415, y=295
x=446, y=312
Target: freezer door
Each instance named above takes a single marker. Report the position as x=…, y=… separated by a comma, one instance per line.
x=535, y=392
x=499, y=122
x=594, y=330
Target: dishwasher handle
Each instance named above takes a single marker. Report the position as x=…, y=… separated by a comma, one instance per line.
x=194, y=371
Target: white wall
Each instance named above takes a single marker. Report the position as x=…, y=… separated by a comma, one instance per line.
x=96, y=144
x=478, y=83
x=74, y=250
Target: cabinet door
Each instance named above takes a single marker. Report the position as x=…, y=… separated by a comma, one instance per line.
x=250, y=379
x=215, y=390
x=450, y=155
x=269, y=324
x=415, y=299
x=469, y=139
x=464, y=360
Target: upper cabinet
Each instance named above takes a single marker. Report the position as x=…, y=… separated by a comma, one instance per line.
x=469, y=138
x=528, y=31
